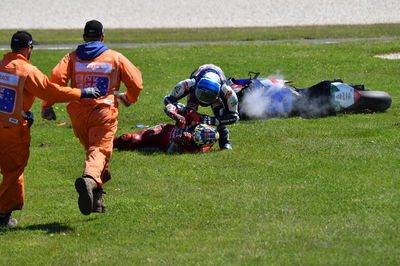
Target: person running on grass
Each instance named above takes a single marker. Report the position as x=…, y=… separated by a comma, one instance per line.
x=20, y=84
x=95, y=121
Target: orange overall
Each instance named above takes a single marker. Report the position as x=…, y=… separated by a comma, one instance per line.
x=95, y=121
x=20, y=83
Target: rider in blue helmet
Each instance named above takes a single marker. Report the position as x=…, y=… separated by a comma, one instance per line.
x=207, y=86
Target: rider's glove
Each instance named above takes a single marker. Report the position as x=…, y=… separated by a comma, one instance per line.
x=182, y=138
x=48, y=113
x=172, y=112
x=209, y=120
x=186, y=137
x=90, y=92
x=181, y=121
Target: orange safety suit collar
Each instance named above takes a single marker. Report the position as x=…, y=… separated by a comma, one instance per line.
x=8, y=57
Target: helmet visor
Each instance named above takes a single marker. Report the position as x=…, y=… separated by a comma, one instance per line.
x=205, y=97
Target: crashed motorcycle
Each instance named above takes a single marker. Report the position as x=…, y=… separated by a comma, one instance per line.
x=264, y=98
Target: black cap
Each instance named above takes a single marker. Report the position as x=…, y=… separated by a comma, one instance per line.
x=93, y=28
x=22, y=39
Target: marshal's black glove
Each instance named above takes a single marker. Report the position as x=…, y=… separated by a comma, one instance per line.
x=48, y=113
x=90, y=92
x=30, y=118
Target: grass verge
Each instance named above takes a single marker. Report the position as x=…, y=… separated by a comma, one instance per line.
x=293, y=191
x=74, y=36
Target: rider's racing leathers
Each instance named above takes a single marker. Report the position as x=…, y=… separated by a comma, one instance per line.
x=225, y=107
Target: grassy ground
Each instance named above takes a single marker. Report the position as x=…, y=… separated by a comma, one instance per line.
x=293, y=191
x=213, y=34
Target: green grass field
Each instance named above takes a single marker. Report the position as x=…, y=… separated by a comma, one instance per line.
x=213, y=34
x=291, y=192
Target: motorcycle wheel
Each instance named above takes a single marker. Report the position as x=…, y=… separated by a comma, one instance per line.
x=371, y=101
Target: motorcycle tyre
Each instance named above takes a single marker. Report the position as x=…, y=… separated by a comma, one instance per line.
x=371, y=101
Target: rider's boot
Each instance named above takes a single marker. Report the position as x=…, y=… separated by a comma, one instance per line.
x=224, y=143
x=122, y=142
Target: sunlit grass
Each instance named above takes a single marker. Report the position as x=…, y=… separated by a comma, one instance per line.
x=292, y=191
x=64, y=36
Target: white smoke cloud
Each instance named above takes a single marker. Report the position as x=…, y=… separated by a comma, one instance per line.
x=255, y=103
x=309, y=103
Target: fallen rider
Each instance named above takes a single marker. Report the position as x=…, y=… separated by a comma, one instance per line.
x=190, y=137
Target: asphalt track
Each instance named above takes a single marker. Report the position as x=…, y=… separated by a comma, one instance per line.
x=128, y=45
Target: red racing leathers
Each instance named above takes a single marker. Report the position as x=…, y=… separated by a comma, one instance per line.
x=165, y=137
x=225, y=107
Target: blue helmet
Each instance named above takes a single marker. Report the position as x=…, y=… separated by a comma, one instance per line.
x=207, y=88
x=205, y=135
